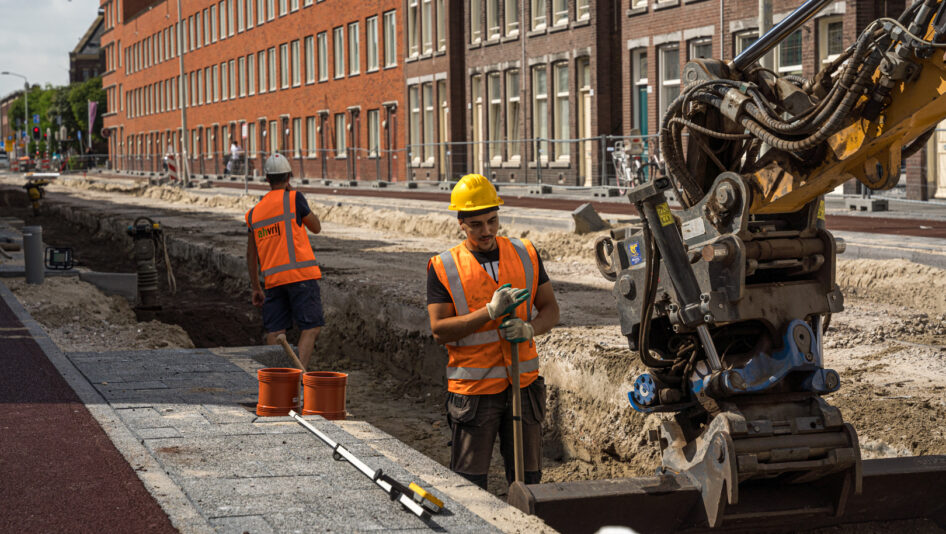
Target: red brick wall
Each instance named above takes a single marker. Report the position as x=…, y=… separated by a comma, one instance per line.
x=367, y=90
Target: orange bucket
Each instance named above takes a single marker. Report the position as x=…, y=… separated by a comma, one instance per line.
x=324, y=394
x=278, y=391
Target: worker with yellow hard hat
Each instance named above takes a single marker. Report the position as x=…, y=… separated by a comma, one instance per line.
x=484, y=295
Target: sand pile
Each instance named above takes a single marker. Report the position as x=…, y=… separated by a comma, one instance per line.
x=79, y=317
x=898, y=282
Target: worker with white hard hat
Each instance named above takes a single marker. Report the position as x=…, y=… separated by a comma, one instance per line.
x=278, y=245
x=483, y=296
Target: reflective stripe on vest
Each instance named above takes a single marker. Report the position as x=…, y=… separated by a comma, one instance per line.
x=287, y=217
x=461, y=307
x=478, y=373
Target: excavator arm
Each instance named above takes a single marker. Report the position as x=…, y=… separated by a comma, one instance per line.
x=727, y=299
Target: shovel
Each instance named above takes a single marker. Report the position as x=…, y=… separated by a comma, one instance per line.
x=281, y=338
x=519, y=467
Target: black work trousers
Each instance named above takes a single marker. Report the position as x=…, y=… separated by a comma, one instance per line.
x=475, y=421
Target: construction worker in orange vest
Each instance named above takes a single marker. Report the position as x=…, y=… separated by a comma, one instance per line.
x=482, y=295
x=278, y=245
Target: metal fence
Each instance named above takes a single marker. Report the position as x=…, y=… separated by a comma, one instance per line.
x=566, y=162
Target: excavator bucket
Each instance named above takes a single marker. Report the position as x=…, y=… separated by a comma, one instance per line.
x=894, y=489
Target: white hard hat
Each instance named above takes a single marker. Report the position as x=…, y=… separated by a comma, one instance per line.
x=277, y=164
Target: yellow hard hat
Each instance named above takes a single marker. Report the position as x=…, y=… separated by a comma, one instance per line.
x=474, y=192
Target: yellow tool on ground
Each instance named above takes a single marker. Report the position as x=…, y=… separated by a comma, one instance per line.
x=414, y=498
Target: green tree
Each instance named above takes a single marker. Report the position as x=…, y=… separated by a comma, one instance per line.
x=80, y=94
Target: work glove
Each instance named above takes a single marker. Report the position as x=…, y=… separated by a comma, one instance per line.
x=504, y=301
x=515, y=330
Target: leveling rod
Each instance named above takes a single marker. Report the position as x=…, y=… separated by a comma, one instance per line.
x=413, y=497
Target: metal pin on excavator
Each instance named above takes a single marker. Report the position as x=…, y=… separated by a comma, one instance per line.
x=727, y=300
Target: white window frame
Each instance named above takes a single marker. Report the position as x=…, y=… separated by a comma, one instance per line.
x=540, y=120
x=561, y=125
x=341, y=136
x=639, y=79
x=426, y=25
x=310, y=59
x=338, y=40
x=513, y=115
x=311, y=137
x=374, y=132
x=261, y=62
x=823, y=24
x=390, y=38
x=559, y=12
x=354, y=49
x=413, y=34
x=251, y=74
x=665, y=82
x=493, y=27
x=371, y=44
x=284, y=66
x=296, y=63
x=476, y=21
x=322, y=46
x=539, y=15
x=271, y=60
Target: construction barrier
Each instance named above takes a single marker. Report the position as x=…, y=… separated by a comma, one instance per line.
x=172, y=168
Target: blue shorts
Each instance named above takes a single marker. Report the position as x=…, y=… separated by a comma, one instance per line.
x=299, y=301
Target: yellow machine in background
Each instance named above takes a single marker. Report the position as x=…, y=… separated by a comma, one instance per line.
x=36, y=190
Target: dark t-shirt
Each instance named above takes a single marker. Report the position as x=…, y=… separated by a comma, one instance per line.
x=437, y=293
x=302, y=209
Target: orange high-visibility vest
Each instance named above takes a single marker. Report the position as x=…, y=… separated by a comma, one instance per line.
x=282, y=244
x=479, y=363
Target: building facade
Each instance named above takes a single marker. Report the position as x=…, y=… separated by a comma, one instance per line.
x=320, y=82
x=533, y=91
x=87, y=59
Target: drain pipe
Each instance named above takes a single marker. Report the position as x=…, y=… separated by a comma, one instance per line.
x=33, y=254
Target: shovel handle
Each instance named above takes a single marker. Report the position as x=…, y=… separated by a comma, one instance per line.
x=281, y=338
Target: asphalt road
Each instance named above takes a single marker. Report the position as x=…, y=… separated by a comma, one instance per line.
x=59, y=471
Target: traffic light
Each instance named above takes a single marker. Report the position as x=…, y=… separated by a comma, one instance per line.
x=36, y=133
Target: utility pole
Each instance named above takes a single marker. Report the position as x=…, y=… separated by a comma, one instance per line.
x=765, y=24
x=185, y=174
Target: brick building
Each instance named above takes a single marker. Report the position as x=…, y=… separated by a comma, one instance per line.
x=320, y=82
x=87, y=59
x=509, y=89
x=518, y=90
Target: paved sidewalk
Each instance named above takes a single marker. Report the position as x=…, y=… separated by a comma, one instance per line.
x=184, y=419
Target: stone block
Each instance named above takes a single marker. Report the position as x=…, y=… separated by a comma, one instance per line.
x=587, y=219
x=605, y=192
x=447, y=186
x=540, y=189
x=865, y=204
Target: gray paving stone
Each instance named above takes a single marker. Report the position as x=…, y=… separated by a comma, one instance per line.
x=194, y=412
x=158, y=433
x=255, y=524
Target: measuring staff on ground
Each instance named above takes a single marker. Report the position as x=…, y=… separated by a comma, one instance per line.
x=483, y=295
x=278, y=245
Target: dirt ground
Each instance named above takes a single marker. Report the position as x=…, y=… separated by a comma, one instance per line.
x=889, y=345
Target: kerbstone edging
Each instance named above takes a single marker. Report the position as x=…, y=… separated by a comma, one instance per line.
x=179, y=509
x=482, y=503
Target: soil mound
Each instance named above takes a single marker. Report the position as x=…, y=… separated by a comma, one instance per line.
x=897, y=282
x=78, y=317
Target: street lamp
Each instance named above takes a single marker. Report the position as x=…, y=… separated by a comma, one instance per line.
x=26, y=97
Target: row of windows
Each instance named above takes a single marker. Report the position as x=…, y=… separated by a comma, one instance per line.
x=337, y=143
x=497, y=112
x=502, y=16
x=258, y=73
x=201, y=29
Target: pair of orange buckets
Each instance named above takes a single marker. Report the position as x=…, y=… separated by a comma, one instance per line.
x=323, y=392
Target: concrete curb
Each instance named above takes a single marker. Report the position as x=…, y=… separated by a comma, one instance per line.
x=182, y=513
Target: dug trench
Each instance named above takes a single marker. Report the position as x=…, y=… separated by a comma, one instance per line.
x=887, y=345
